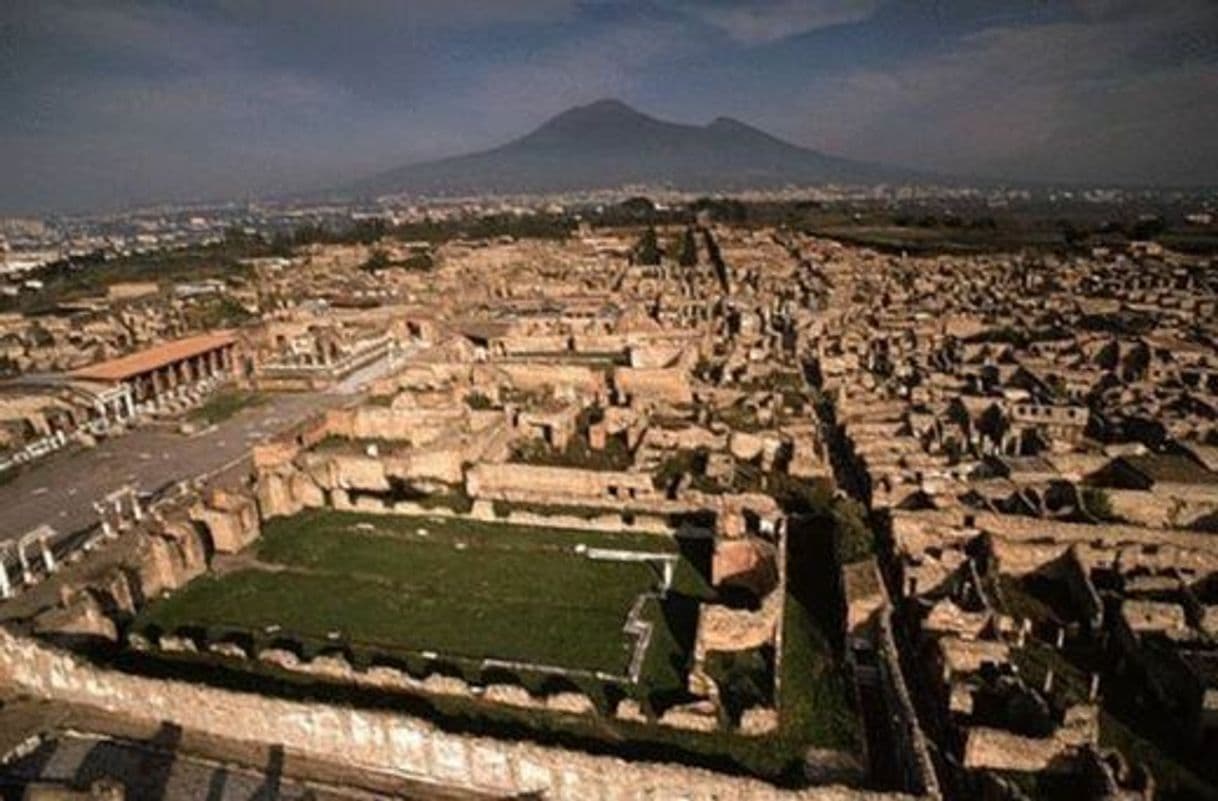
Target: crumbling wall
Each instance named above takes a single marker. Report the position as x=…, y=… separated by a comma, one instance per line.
x=231, y=519
x=417, y=426
x=380, y=740
x=439, y=464
x=670, y=385
x=520, y=482
x=1082, y=590
x=913, y=750
x=1162, y=509
x=721, y=628
x=536, y=377
x=540, y=343
x=745, y=562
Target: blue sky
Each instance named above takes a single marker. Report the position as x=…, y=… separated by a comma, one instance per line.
x=104, y=104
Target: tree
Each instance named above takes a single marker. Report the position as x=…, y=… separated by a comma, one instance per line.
x=639, y=207
x=688, y=257
x=367, y=231
x=853, y=537
x=378, y=261
x=1073, y=235
x=1098, y=504
x=647, y=251
x=1147, y=228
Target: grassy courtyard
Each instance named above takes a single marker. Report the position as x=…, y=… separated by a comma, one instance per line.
x=391, y=586
x=396, y=587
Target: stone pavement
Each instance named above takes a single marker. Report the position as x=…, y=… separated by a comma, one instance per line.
x=60, y=490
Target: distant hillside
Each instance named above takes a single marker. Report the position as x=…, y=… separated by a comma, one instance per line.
x=608, y=144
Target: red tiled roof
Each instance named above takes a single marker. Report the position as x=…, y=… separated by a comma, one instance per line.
x=133, y=364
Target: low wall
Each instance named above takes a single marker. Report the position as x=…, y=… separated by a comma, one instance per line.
x=650, y=383
x=381, y=740
x=913, y=752
x=526, y=482
x=484, y=511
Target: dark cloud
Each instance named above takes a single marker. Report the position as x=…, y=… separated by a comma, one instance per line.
x=110, y=103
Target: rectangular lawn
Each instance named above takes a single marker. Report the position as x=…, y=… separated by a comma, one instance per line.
x=462, y=591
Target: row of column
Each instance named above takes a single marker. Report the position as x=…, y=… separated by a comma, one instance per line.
x=118, y=510
x=117, y=406
x=162, y=381
x=41, y=536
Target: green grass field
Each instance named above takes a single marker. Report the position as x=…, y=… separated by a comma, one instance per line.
x=393, y=584
x=396, y=587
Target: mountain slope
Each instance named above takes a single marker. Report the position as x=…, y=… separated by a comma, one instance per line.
x=607, y=144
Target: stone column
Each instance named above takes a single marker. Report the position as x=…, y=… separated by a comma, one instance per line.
x=136, y=511
x=106, y=528
x=48, y=559
x=6, y=587
x=129, y=401
x=27, y=576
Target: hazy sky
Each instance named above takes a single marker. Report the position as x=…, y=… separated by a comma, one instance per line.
x=103, y=104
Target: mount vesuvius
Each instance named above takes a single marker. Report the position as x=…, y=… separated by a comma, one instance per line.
x=608, y=144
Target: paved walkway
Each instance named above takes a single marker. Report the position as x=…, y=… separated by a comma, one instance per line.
x=60, y=490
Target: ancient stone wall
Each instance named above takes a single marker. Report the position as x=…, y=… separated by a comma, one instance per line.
x=553, y=343
x=380, y=740
x=1160, y=508
x=230, y=518
x=418, y=426
x=1082, y=590
x=913, y=751
x=654, y=355
x=519, y=482
x=537, y=377
x=439, y=463
x=669, y=385
x=1026, y=544
x=690, y=438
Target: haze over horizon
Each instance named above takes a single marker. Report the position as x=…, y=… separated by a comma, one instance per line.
x=121, y=103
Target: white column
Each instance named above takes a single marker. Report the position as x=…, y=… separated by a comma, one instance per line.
x=107, y=530
x=136, y=511
x=129, y=402
x=48, y=559
x=6, y=588
x=27, y=577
